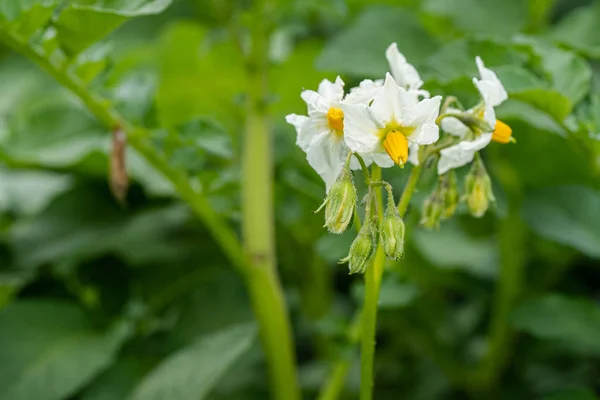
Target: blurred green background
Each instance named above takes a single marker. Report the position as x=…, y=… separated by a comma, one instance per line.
x=100, y=301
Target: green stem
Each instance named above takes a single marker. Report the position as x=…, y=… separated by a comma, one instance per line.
x=409, y=189
x=369, y=311
x=258, y=221
x=334, y=385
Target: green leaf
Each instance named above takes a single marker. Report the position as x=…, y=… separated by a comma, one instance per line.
x=197, y=76
x=49, y=350
x=457, y=59
x=569, y=74
x=80, y=25
x=525, y=86
x=501, y=18
x=205, y=134
x=91, y=62
x=25, y=17
x=359, y=50
x=572, y=321
x=579, y=30
x=117, y=382
x=452, y=248
x=28, y=192
x=192, y=372
x=573, y=394
x=568, y=215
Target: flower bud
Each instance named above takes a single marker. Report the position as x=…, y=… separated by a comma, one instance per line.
x=362, y=250
x=449, y=190
x=391, y=232
x=474, y=122
x=432, y=212
x=478, y=189
x=340, y=203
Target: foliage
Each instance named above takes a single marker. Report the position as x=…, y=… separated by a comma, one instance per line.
x=101, y=300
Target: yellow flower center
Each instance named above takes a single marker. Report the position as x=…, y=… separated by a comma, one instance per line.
x=335, y=118
x=396, y=145
x=502, y=133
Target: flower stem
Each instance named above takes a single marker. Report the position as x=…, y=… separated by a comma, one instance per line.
x=258, y=221
x=409, y=190
x=334, y=385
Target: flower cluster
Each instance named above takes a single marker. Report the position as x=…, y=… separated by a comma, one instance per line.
x=390, y=122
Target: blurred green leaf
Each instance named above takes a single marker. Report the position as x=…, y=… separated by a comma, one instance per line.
x=197, y=76
x=578, y=30
x=117, y=381
x=525, y=86
x=28, y=192
x=569, y=74
x=91, y=62
x=573, y=394
x=574, y=321
x=205, y=134
x=81, y=24
x=486, y=17
x=452, y=248
x=26, y=16
x=359, y=50
x=192, y=372
x=457, y=59
x=568, y=215
x=49, y=350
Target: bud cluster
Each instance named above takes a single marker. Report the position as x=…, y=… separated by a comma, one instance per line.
x=442, y=203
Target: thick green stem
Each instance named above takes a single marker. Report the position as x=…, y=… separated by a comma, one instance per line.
x=258, y=221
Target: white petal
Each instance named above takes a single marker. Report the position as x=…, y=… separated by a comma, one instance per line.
x=413, y=154
x=382, y=159
x=425, y=112
x=489, y=86
x=327, y=154
x=453, y=126
x=360, y=130
x=489, y=116
x=425, y=134
x=332, y=91
x=365, y=92
x=405, y=74
x=386, y=105
x=317, y=104
x=304, y=136
x=462, y=153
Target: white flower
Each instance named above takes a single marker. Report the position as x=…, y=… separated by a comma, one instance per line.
x=462, y=153
x=321, y=133
x=492, y=94
x=392, y=120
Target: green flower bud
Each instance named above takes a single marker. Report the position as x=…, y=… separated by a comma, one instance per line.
x=362, y=250
x=433, y=210
x=478, y=189
x=475, y=122
x=449, y=191
x=340, y=202
x=391, y=232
